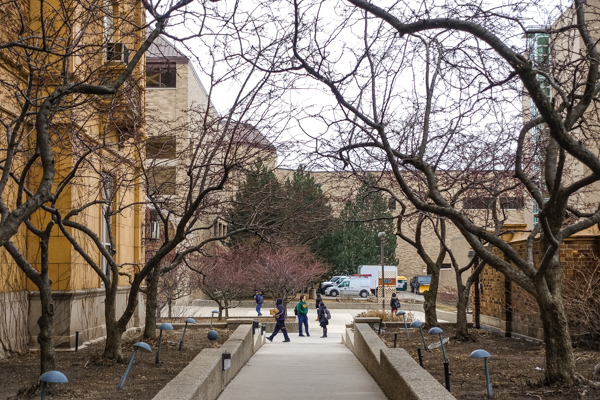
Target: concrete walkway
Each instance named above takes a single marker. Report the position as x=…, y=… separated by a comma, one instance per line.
x=305, y=368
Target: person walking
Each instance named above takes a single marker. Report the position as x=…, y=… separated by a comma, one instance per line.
x=394, y=304
x=302, y=312
x=324, y=316
x=280, y=326
x=317, y=305
x=259, y=302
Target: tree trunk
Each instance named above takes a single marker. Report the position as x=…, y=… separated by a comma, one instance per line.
x=112, y=348
x=151, y=304
x=560, y=364
x=46, y=323
x=170, y=304
x=462, y=327
x=430, y=296
x=114, y=333
x=226, y=309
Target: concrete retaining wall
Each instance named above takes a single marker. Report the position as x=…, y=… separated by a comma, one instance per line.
x=204, y=378
x=400, y=377
x=14, y=331
x=80, y=311
x=362, y=305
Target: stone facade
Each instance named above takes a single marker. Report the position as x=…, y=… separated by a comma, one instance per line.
x=77, y=290
x=506, y=306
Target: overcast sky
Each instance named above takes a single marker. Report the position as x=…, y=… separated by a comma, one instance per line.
x=309, y=96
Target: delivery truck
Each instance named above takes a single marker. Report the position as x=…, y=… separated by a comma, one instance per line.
x=391, y=272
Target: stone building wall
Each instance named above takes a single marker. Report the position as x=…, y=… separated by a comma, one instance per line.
x=498, y=296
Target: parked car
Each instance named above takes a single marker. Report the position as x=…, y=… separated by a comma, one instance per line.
x=351, y=286
x=331, y=282
x=420, y=283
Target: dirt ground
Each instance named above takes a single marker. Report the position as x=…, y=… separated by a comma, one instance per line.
x=516, y=366
x=92, y=378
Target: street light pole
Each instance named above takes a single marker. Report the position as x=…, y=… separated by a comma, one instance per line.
x=381, y=236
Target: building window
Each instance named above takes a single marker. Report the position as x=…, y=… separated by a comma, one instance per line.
x=538, y=45
x=446, y=266
x=512, y=203
x=106, y=219
x=392, y=203
x=162, y=180
x=163, y=147
x=161, y=76
x=219, y=229
x=478, y=203
x=111, y=11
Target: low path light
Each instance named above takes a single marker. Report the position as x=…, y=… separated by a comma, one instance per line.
x=438, y=331
x=51, y=377
x=187, y=321
x=163, y=327
x=226, y=361
x=213, y=335
x=485, y=355
x=136, y=346
x=212, y=313
x=419, y=324
x=403, y=313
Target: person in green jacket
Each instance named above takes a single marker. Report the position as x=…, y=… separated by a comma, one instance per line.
x=302, y=312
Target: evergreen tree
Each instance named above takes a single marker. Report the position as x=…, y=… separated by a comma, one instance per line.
x=257, y=204
x=354, y=242
x=295, y=213
x=308, y=213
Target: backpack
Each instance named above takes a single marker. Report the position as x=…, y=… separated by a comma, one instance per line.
x=327, y=314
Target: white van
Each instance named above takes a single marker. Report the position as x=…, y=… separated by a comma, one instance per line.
x=351, y=286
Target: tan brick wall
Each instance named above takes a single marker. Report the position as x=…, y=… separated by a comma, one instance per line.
x=578, y=250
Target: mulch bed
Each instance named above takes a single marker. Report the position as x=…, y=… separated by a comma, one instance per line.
x=516, y=365
x=91, y=377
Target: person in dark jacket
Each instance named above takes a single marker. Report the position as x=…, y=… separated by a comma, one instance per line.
x=323, y=315
x=259, y=302
x=280, y=318
x=394, y=304
x=317, y=305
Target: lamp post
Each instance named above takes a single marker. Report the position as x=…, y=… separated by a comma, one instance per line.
x=381, y=236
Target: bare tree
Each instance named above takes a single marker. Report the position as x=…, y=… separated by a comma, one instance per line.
x=189, y=202
x=284, y=271
x=434, y=266
x=60, y=89
x=172, y=286
x=225, y=277
x=480, y=68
